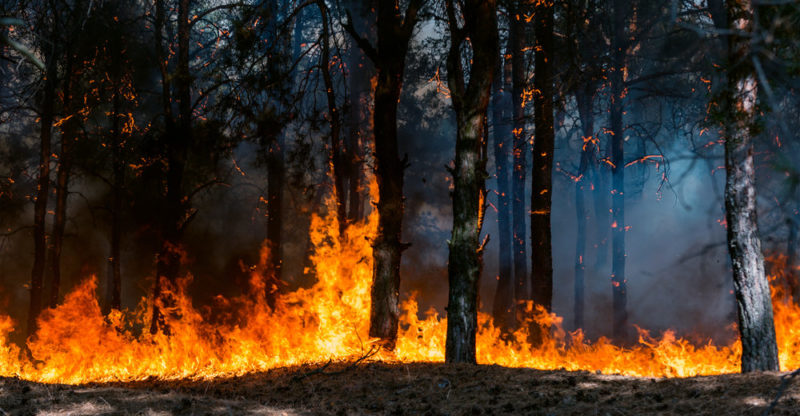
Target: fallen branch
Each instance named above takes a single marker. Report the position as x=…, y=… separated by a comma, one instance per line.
x=311, y=373
x=785, y=380
x=372, y=351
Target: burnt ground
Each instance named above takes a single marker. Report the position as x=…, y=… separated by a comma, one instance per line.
x=409, y=389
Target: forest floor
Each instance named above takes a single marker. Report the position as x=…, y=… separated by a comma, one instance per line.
x=410, y=389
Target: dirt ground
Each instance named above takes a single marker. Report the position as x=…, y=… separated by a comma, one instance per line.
x=410, y=389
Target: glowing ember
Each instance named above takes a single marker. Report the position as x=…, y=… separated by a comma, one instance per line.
x=76, y=343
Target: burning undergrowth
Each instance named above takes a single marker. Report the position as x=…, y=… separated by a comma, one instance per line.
x=76, y=343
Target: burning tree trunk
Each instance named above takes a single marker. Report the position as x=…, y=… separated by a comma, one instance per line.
x=618, y=282
x=394, y=33
x=516, y=41
x=542, y=183
x=42, y=192
x=470, y=102
x=756, y=326
x=503, y=306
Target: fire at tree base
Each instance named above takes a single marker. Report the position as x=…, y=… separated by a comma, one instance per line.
x=76, y=343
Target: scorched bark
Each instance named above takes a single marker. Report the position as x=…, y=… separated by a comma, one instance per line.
x=394, y=33
x=470, y=102
x=542, y=175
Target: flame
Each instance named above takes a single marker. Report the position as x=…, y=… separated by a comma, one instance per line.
x=76, y=343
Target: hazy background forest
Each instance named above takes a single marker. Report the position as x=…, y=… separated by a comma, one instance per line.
x=259, y=97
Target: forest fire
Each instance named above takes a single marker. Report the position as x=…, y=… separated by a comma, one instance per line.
x=425, y=206
x=75, y=343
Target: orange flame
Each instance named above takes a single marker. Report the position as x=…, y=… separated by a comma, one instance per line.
x=75, y=343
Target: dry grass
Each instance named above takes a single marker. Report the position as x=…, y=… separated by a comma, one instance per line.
x=413, y=389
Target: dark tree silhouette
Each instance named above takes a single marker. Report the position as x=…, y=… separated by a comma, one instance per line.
x=542, y=174
x=503, y=307
x=394, y=32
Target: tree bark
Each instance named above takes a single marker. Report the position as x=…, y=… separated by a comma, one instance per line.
x=276, y=173
x=357, y=121
x=542, y=173
x=114, y=285
x=503, y=307
x=470, y=103
x=618, y=283
x=754, y=306
x=337, y=157
x=394, y=33
x=113, y=298
x=42, y=192
x=68, y=130
x=387, y=246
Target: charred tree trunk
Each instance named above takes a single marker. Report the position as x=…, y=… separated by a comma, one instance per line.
x=42, y=192
x=542, y=174
x=503, y=306
x=337, y=158
x=516, y=40
x=600, y=195
x=357, y=120
x=68, y=131
x=394, y=33
x=618, y=283
x=114, y=284
x=275, y=184
x=584, y=100
x=754, y=306
x=178, y=136
x=113, y=298
x=387, y=247
x=470, y=103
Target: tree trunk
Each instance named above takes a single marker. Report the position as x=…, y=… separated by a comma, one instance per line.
x=360, y=73
x=387, y=247
x=600, y=193
x=68, y=130
x=516, y=40
x=470, y=103
x=175, y=206
x=618, y=283
x=275, y=183
x=394, y=33
x=114, y=285
x=337, y=157
x=503, y=306
x=754, y=306
x=113, y=298
x=584, y=100
x=42, y=192
x=542, y=183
